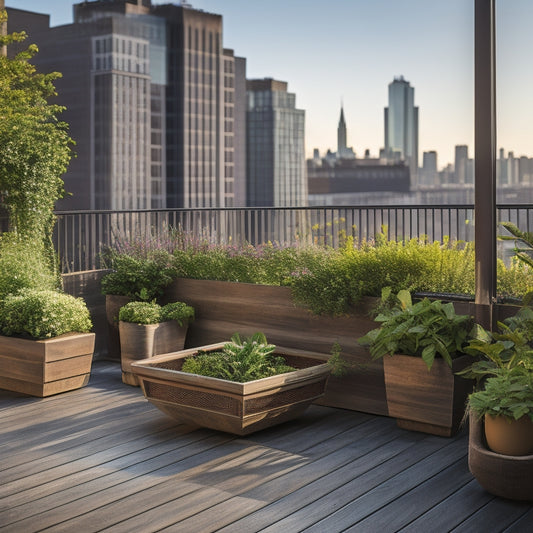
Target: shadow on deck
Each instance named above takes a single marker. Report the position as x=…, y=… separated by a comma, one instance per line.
x=103, y=458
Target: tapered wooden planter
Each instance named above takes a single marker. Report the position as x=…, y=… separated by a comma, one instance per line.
x=46, y=367
x=506, y=476
x=141, y=341
x=238, y=408
x=429, y=401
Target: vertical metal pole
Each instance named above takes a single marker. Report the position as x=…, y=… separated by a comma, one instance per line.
x=485, y=160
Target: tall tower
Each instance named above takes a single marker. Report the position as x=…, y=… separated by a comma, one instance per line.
x=195, y=107
x=341, y=135
x=401, y=125
x=275, y=146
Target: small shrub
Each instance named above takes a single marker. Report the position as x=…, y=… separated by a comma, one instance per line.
x=138, y=278
x=240, y=360
x=140, y=313
x=24, y=265
x=179, y=311
x=153, y=313
x=43, y=314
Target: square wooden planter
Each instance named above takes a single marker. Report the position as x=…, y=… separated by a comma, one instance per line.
x=428, y=401
x=238, y=408
x=141, y=341
x=46, y=367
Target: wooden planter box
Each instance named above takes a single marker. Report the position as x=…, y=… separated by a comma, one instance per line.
x=141, y=341
x=429, y=401
x=506, y=476
x=238, y=408
x=46, y=367
x=223, y=308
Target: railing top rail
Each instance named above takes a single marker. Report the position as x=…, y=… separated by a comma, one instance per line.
x=307, y=208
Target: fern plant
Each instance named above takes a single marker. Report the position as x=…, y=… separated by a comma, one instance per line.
x=425, y=329
x=240, y=360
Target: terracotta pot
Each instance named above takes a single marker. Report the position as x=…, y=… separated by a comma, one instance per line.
x=509, y=437
x=507, y=476
x=141, y=341
x=238, y=408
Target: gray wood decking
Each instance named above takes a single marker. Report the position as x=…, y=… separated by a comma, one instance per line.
x=103, y=458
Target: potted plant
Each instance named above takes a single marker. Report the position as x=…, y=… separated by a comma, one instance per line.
x=422, y=346
x=500, y=450
x=500, y=460
x=506, y=405
x=239, y=386
x=147, y=329
x=46, y=346
x=135, y=277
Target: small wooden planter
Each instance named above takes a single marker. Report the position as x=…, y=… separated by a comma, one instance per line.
x=506, y=476
x=428, y=401
x=238, y=408
x=46, y=367
x=141, y=341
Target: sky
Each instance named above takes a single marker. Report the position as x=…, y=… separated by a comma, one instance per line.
x=346, y=52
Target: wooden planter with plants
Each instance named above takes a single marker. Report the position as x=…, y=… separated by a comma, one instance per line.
x=422, y=346
x=239, y=407
x=59, y=362
x=148, y=329
x=223, y=307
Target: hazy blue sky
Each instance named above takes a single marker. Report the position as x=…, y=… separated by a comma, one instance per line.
x=350, y=50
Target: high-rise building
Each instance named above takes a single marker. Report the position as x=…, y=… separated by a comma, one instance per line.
x=461, y=164
x=145, y=89
x=429, y=174
x=401, y=125
x=275, y=146
x=343, y=151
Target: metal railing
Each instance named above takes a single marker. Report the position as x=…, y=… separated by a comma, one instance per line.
x=80, y=236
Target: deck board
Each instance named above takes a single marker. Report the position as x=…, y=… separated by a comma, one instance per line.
x=102, y=458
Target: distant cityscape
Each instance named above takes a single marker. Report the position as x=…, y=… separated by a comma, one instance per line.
x=164, y=117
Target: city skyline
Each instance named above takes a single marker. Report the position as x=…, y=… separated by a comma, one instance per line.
x=346, y=53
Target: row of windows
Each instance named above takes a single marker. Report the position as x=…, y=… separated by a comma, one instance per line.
x=202, y=40
x=121, y=45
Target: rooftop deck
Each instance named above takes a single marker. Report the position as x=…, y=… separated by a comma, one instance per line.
x=103, y=458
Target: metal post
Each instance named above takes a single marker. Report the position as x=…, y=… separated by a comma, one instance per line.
x=485, y=160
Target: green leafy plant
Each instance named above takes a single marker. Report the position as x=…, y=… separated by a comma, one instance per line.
x=43, y=314
x=503, y=350
x=136, y=277
x=508, y=392
x=425, y=329
x=24, y=265
x=36, y=147
x=240, y=360
x=153, y=313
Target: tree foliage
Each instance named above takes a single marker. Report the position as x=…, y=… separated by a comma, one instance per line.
x=36, y=147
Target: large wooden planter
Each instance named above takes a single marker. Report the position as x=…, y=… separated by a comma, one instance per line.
x=506, y=476
x=141, y=341
x=223, y=308
x=238, y=408
x=46, y=367
x=429, y=401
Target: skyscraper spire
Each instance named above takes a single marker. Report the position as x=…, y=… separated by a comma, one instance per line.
x=341, y=135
